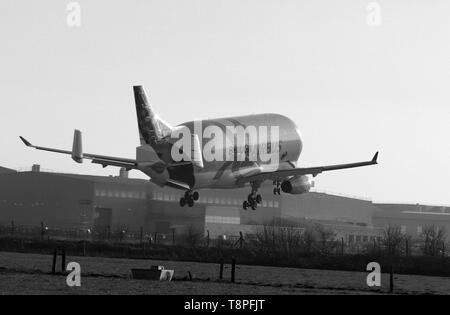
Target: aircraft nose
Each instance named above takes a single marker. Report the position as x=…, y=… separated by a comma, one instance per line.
x=300, y=141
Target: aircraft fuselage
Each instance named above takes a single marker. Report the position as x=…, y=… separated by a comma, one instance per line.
x=222, y=172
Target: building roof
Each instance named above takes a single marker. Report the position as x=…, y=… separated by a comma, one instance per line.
x=382, y=209
x=106, y=179
x=95, y=179
x=4, y=170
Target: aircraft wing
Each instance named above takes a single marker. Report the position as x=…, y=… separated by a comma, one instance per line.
x=78, y=155
x=314, y=171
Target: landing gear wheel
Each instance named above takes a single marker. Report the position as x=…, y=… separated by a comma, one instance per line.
x=189, y=198
x=253, y=199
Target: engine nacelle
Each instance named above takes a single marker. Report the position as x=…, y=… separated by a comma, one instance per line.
x=297, y=185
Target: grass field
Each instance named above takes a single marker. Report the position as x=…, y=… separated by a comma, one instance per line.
x=29, y=274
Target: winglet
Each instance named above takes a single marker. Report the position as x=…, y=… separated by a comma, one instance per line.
x=27, y=143
x=77, y=148
x=375, y=157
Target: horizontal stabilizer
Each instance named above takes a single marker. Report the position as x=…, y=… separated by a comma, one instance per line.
x=78, y=155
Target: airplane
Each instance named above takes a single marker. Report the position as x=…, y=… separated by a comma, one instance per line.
x=193, y=168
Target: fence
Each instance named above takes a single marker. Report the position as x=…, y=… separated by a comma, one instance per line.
x=289, y=240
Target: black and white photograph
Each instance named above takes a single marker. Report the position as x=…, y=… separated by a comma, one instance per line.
x=232, y=154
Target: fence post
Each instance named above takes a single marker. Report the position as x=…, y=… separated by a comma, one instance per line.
x=42, y=231
x=54, y=262
x=156, y=234
x=233, y=269
x=391, y=279
x=63, y=260
x=241, y=239
x=207, y=238
x=342, y=246
x=221, y=271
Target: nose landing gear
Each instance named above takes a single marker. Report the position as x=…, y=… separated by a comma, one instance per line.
x=189, y=198
x=277, y=188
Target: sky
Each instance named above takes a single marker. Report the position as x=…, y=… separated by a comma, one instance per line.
x=353, y=87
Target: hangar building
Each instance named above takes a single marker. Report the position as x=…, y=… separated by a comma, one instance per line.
x=83, y=202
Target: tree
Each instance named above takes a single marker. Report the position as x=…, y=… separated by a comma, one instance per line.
x=292, y=237
x=279, y=235
x=433, y=237
x=309, y=239
x=326, y=238
x=392, y=240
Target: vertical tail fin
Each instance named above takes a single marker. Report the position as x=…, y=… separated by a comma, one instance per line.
x=151, y=128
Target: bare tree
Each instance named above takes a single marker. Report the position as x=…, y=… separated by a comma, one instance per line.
x=292, y=237
x=392, y=240
x=279, y=235
x=326, y=238
x=433, y=238
x=408, y=241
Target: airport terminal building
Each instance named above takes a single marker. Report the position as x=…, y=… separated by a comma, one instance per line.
x=119, y=203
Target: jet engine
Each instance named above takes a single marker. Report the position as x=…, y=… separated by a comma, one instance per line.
x=297, y=185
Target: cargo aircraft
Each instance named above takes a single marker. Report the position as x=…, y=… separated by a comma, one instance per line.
x=223, y=153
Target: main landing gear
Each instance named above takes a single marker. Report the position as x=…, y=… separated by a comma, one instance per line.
x=189, y=198
x=277, y=188
x=253, y=199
